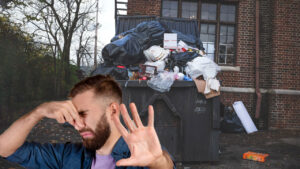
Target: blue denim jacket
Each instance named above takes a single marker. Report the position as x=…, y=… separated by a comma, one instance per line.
x=64, y=156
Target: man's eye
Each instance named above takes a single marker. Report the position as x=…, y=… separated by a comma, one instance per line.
x=82, y=113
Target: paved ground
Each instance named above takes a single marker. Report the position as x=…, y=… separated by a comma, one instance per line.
x=282, y=145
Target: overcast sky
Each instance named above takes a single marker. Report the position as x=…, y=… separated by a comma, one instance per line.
x=107, y=20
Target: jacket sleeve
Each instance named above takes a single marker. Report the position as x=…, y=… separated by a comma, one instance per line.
x=36, y=156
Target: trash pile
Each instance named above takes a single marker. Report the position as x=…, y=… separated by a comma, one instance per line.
x=152, y=52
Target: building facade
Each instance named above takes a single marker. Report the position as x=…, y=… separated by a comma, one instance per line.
x=228, y=30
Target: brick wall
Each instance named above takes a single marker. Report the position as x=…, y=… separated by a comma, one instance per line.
x=284, y=112
x=144, y=7
x=266, y=28
x=285, y=42
x=279, y=60
x=285, y=64
x=279, y=57
x=245, y=56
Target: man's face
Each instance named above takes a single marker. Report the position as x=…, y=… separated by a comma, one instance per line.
x=93, y=113
x=99, y=136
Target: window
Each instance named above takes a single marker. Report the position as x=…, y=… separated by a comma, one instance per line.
x=227, y=13
x=220, y=20
x=208, y=36
x=217, y=25
x=189, y=9
x=226, y=45
x=170, y=8
x=208, y=11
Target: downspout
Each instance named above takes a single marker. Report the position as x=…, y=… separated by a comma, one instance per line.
x=258, y=101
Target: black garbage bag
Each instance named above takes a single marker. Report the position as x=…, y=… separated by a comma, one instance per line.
x=180, y=60
x=129, y=49
x=190, y=40
x=116, y=72
x=121, y=35
x=125, y=51
x=150, y=33
x=231, y=122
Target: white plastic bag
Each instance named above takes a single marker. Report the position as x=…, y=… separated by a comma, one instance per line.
x=202, y=66
x=162, y=82
x=178, y=75
x=155, y=53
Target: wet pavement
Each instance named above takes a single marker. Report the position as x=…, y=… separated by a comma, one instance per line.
x=283, y=146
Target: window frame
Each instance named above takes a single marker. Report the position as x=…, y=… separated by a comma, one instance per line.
x=190, y=1
x=178, y=9
x=217, y=22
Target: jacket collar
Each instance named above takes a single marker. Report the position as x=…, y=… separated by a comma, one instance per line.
x=120, y=150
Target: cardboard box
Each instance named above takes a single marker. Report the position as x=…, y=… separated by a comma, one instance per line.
x=212, y=94
x=200, y=84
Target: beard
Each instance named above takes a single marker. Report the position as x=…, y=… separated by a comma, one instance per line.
x=101, y=134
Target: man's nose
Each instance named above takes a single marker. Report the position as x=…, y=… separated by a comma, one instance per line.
x=79, y=127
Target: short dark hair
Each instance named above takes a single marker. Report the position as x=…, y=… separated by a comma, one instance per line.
x=103, y=85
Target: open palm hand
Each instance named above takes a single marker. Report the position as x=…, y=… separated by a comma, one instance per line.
x=142, y=140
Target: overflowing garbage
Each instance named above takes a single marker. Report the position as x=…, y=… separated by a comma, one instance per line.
x=152, y=52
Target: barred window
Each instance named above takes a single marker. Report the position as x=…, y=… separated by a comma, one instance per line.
x=170, y=8
x=208, y=38
x=221, y=19
x=209, y=11
x=189, y=9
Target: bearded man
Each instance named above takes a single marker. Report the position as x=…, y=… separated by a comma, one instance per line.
x=94, y=110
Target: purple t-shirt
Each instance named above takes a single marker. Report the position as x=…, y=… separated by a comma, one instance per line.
x=103, y=162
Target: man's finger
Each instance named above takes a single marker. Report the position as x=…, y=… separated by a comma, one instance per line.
x=126, y=162
x=66, y=111
x=150, y=116
x=60, y=118
x=126, y=118
x=135, y=115
x=68, y=117
x=119, y=125
x=74, y=113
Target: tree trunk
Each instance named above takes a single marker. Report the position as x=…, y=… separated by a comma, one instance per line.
x=78, y=61
x=65, y=68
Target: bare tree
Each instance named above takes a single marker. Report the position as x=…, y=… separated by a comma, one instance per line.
x=59, y=22
x=84, y=49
